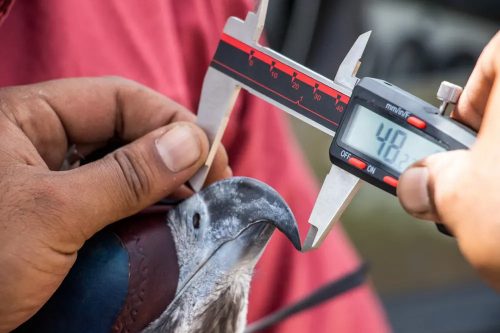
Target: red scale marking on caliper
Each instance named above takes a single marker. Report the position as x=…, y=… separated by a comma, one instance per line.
x=275, y=92
x=285, y=68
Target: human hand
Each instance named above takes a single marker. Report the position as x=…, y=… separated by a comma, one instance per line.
x=47, y=215
x=461, y=189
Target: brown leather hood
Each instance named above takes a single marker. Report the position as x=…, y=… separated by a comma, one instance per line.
x=154, y=270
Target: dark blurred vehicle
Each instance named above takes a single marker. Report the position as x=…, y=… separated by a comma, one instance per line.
x=424, y=37
x=488, y=9
x=316, y=33
x=410, y=37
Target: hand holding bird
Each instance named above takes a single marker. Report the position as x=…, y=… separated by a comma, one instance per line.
x=46, y=214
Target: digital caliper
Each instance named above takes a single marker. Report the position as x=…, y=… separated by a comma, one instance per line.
x=381, y=129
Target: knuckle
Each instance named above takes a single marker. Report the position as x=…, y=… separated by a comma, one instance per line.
x=123, y=85
x=135, y=173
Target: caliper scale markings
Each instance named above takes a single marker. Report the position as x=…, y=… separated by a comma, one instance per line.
x=280, y=82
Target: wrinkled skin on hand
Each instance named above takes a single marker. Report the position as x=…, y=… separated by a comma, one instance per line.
x=453, y=187
x=45, y=214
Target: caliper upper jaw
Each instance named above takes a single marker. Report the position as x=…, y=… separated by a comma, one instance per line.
x=217, y=100
x=346, y=75
x=261, y=14
x=250, y=30
x=339, y=186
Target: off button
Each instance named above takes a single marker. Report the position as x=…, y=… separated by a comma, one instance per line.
x=357, y=163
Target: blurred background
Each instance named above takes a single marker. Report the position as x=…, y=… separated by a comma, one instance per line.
x=424, y=282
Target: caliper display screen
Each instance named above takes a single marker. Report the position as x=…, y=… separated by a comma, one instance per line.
x=385, y=141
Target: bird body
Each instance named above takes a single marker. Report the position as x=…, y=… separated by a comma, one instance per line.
x=188, y=272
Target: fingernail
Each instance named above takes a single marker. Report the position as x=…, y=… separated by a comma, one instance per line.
x=179, y=148
x=413, y=191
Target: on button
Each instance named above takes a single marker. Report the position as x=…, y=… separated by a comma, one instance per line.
x=391, y=181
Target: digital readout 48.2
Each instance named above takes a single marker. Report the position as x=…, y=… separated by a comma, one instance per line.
x=385, y=141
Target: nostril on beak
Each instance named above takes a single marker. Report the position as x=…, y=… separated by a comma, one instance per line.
x=196, y=221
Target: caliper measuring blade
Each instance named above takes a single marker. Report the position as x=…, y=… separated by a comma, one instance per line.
x=339, y=186
x=337, y=191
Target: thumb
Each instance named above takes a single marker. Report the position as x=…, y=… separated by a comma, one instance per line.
x=133, y=177
x=428, y=189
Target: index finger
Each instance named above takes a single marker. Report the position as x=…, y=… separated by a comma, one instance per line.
x=86, y=111
x=472, y=103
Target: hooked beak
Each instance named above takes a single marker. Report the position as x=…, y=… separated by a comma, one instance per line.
x=250, y=203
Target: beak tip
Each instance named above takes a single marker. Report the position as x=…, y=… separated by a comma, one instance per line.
x=287, y=224
x=294, y=237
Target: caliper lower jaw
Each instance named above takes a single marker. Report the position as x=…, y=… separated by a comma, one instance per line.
x=337, y=191
x=339, y=186
x=219, y=91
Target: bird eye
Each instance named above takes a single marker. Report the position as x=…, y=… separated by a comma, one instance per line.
x=196, y=221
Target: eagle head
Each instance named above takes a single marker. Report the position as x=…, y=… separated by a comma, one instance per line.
x=219, y=234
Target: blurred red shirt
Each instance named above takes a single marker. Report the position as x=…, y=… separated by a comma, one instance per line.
x=167, y=45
